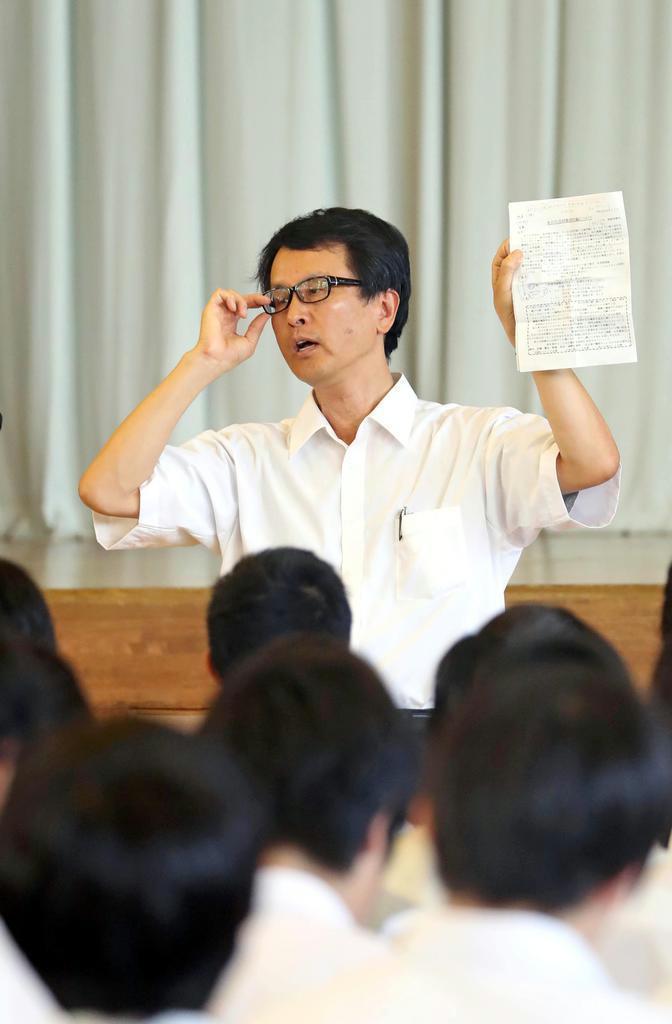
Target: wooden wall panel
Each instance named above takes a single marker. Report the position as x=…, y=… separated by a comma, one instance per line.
x=144, y=649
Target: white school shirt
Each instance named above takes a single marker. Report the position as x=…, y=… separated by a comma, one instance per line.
x=476, y=967
x=300, y=934
x=23, y=996
x=637, y=945
x=424, y=514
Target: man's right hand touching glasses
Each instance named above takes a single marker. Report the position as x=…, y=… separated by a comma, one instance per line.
x=219, y=341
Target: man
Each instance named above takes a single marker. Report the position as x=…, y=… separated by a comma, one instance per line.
x=424, y=509
x=272, y=594
x=315, y=729
x=126, y=860
x=549, y=786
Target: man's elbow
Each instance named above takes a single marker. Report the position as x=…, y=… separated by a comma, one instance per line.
x=99, y=498
x=588, y=474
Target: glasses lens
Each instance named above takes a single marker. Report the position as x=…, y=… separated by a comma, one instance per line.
x=314, y=289
x=278, y=298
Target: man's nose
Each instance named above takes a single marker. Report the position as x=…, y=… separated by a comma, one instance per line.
x=296, y=311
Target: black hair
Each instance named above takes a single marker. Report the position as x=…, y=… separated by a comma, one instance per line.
x=127, y=853
x=530, y=626
x=316, y=729
x=377, y=254
x=661, y=682
x=39, y=692
x=551, y=779
x=23, y=609
x=270, y=594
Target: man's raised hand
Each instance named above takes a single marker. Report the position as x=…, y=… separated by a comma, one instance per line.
x=219, y=340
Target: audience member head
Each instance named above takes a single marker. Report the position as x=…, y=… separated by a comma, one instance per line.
x=271, y=594
x=377, y=254
x=38, y=694
x=126, y=859
x=661, y=683
x=524, y=626
x=23, y=609
x=551, y=783
x=315, y=727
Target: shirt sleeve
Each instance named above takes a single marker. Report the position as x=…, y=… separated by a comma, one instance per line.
x=523, y=495
x=190, y=498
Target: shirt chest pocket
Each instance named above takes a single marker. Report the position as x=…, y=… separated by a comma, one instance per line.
x=431, y=554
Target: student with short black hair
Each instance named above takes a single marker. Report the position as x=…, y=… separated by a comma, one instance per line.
x=527, y=630
x=549, y=786
x=270, y=594
x=316, y=730
x=39, y=693
x=126, y=859
x=23, y=608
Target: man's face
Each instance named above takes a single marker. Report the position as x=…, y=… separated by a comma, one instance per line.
x=344, y=330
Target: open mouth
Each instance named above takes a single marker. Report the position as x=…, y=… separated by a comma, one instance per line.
x=305, y=346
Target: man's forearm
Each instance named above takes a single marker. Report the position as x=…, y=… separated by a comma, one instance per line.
x=588, y=452
x=112, y=481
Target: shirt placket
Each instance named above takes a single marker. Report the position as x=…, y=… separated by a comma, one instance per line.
x=352, y=526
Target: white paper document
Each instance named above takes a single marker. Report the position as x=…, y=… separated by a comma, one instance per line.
x=571, y=293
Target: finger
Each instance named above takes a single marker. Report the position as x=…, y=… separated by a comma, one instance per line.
x=499, y=256
x=253, y=332
x=507, y=269
x=227, y=298
x=255, y=300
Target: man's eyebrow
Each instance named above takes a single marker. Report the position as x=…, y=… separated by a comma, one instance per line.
x=317, y=273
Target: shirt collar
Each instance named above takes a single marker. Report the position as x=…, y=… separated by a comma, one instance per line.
x=395, y=412
x=508, y=944
x=281, y=890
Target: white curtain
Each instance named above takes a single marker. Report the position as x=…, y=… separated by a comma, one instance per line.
x=149, y=148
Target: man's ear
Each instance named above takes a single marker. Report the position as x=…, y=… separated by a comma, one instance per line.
x=388, y=304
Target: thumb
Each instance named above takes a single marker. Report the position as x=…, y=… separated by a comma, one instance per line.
x=508, y=268
x=253, y=332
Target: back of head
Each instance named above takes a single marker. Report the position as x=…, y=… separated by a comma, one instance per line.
x=377, y=254
x=661, y=683
x=23, y=609
x=126, y=860
x=529, y=627
x=271, y=594
x=552, y=779
x=317, y=730
x=38, y=692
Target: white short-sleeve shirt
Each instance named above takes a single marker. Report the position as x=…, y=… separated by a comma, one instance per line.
x=475, y=487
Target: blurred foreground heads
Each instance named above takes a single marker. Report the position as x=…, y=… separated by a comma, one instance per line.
x=316, y=730
x=126, y=861
x=549, y=782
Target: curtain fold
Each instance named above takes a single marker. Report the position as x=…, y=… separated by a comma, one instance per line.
x=149, y=150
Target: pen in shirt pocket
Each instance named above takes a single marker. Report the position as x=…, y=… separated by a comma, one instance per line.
x=402, y=513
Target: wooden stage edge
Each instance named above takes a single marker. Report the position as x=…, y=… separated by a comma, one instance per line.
x=144, y=650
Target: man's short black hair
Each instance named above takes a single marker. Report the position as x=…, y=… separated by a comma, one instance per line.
x=377, y=254
x=127, y=853
x=39, y=692
x=23, y=609
x=531, y=627
x=551, y=779
x=271, y=594
x=315, y=727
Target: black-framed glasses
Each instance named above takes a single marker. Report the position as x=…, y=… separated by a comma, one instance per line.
x=313, y=289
